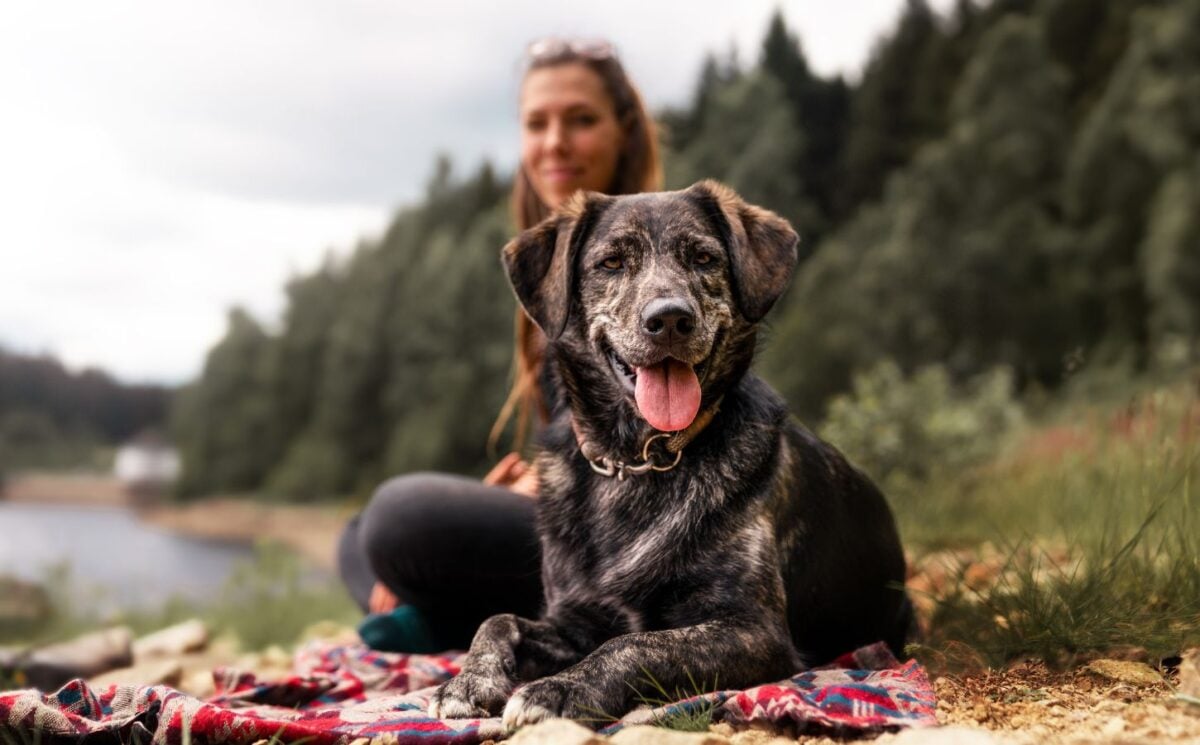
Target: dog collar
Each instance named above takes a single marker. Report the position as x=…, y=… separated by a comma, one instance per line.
x=674, y=445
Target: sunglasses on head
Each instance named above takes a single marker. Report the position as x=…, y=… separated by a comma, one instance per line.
x=555, y=48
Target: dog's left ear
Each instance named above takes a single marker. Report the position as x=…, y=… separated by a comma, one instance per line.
x=541, y=260
x=761, y=244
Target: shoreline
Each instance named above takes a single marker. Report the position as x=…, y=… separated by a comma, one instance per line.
x=310, y=530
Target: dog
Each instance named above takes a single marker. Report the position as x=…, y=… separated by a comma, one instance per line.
x=690, y=529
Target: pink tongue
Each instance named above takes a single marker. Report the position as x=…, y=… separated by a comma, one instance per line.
x=668, y=395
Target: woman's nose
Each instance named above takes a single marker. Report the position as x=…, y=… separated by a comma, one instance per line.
x=556, y=136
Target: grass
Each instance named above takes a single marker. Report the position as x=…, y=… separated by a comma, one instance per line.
x=1094, y=533
x=685, y=710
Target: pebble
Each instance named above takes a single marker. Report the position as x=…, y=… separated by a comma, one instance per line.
x=155, y=672
x=943, y=736
x=644, y=734
x=1133, y=673
x=1189, y=673
x=556, y=732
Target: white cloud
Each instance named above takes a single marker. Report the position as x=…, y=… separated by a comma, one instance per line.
x=165, y=161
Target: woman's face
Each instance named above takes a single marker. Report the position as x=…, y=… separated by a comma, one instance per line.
x=570, y=137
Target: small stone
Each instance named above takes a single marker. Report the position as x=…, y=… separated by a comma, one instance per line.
x=1189, y=673
x=157, y=672
x=556, y=732
x=944, y=736
x=189, y=636
x=84, y=656
x=1121, y=671
x=760, y=737
x=198, y=683
x=646, y=735
x=1114, y=726
x=722, y=729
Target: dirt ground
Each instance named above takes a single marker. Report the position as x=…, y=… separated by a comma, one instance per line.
x=1028, y=703
x=83, y=489
x=1113, y=702
x=1024, y=703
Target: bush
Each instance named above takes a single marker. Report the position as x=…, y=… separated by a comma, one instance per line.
x=907, y=429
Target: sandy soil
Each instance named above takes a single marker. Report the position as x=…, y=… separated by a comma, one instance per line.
x=65, y=488
x=311, y=531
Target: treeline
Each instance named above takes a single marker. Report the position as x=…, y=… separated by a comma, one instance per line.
x=52, y=417
x=1016, y=185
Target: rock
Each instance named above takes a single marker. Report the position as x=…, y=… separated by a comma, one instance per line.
x=556, y=732
x=643, y=734
x=1189, y=673
x=198, y=683
x=951, y=735
x=84, y=656
x=1121, y=671
x=760, y=734
x=189, y=636
x=155, y=672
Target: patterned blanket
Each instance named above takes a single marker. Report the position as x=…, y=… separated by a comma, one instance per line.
x=340, y=693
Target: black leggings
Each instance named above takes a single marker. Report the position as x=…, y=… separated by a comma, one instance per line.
x=454, y=549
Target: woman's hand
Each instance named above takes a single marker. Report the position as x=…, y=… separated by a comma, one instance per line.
x=515, y=474
x=382, y=599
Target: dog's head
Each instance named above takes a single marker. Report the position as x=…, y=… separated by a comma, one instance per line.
x=658, y=294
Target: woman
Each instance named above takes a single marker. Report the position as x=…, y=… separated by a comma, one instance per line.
x=433, y=555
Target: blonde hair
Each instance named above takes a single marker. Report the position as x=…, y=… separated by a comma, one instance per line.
x=638, y=169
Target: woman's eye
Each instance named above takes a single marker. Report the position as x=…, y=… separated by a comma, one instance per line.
x=535, y=125
x=613, y=263
x=703, y=258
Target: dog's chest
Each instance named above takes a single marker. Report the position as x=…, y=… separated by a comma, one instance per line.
x=621, y=537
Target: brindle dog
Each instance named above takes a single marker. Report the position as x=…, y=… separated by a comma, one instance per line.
x=740, y=548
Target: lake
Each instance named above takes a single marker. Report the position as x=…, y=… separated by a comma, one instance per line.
x=114, y=560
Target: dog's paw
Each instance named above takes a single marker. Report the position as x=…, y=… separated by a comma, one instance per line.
x=468, y=696
x=551, y=698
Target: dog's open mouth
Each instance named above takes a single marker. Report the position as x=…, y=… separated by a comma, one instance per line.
x=667, y=393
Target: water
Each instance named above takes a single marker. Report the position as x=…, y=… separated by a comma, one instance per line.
x=114, y=560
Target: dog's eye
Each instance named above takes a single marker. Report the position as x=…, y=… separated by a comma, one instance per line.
x=613, y=263
x=703, y=258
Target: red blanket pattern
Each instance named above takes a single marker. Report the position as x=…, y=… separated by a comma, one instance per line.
x=337, y=694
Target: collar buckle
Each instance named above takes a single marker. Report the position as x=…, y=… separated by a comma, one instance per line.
x=609, y=467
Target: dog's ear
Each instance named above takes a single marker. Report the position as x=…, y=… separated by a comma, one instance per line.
x=761, y=245
x=541, y=260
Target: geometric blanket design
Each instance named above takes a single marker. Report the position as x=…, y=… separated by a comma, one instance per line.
x=339, y=693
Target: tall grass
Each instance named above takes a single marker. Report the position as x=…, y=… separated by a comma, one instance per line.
x=1093, y=530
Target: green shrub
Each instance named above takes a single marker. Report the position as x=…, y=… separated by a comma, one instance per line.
x=903, y=430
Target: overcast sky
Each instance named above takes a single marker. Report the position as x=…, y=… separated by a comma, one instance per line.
x=162, y=161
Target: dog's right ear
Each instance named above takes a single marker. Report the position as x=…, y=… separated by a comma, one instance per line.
x=541, y=260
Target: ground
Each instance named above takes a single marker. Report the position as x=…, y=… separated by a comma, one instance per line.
x=1026, y=702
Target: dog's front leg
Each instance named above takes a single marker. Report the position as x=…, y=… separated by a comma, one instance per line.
x=610, y=679
x=505, y=650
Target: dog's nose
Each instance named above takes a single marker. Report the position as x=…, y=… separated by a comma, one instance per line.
x=667, y=318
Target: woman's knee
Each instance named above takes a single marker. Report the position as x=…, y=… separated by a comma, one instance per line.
x=402, y=515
